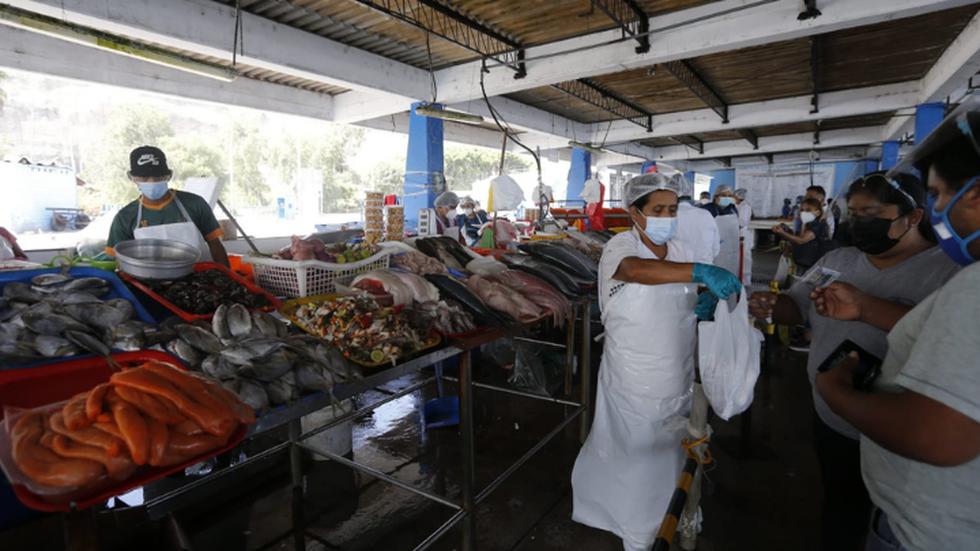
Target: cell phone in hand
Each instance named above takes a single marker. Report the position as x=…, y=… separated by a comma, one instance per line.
x=868, y=368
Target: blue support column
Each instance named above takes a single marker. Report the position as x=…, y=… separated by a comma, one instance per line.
x=424, y=169
x=927, y=118
x=889, y=154
x=689, y=178
x=648, y=167
x=578, y=173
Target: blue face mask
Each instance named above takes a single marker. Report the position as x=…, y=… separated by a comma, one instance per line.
x=154, y=191
x=724, y=202
x=954, y=245
x=659, y=229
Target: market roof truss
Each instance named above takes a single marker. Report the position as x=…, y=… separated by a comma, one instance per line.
x=684, y=72
x=445, y=22
x=631, y=18
x=598, y=95
x=689, y=141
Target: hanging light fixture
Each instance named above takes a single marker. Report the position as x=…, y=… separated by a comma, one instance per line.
x=586, y=146
x=85, y=36
x=427, y=110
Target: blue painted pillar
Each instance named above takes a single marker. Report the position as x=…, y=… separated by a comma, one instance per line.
x=889, y=154
x=424, y=170
x=578, y=173
x=927, y=118
x=689, y=178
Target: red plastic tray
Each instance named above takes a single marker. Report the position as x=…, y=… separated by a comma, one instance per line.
x=274, y=303
x=28, y=388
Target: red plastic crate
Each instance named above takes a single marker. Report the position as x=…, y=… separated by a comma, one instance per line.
x=274, y=303
x=29, y=388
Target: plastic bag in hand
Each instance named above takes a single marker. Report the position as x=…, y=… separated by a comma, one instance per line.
x=729, y=350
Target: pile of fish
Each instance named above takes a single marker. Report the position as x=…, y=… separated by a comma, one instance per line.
x=57, y=315
x=201, y=292
x=538, y=292
x=418, y=263
x=570, y=260
x=452, y=289
x=567, y=284
x=504, y=299
x=254, y=356
x=446, y=317
x=445, y=249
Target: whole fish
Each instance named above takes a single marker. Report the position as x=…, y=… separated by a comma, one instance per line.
x=77, y=298
x=21, y=292
x=265, y=324
x=219, y=368
x=105, y=316
x=451, y=288
x=187, y=353
x=51, y=324
x=52, y=347
x=12, y=310
x=200, y=339
x=129, y=329
x=246, y=352
x=219, y=322
x=251, y=393
x=127, y=345
x=270, y=368
x=46, y=280
x=124, y=307
x=92, y=285
x=239, y=321
x=87, y=342
x=17, y=352
x=283, y=390
x=563, y=257
x=313, y=378
x=558, y=279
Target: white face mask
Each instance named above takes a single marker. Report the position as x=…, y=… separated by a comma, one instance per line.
x=451, y=213
x=807, y=217
x=467, y=212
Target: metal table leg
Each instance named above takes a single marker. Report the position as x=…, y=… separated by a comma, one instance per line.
x=585, y=371
x=469, y=452
x=570, y=353
x=296, y=470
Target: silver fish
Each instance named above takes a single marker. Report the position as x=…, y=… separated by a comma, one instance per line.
x=11, y=309
x=122, y=306
x=78, y=298
x=93, y=285
x=247, y=351
x=270, y=368
x=21, y=292
x=219, y=368
x=53, y=347
x=219, y=322
x=239, y=321
x=187, y=353
x=283, y=390
x=47, y=280
x=51, y=324
x=266, y=324
x=313, y=378
x=126, y=330
x=199, y=339
x=86, y=341
x=11, y=333
x=127, y=345
x=103, y=315
x=17, y=352
x=251, y=393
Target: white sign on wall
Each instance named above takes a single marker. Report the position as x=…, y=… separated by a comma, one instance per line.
x=768, y=185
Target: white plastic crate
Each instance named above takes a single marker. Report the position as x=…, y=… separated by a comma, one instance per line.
x=303, y=278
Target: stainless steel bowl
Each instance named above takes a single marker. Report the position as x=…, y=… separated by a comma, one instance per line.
x=156, y=258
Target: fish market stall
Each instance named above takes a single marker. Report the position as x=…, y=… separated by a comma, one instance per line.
x=379, y=312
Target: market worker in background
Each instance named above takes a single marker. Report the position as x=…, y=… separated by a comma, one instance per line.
x=920, y=422
x=724, y=202
x=164, y=213
x=445, y=210
x=697, y=231
x=747, y=233
x=9, y=249
x=818, y=193
x=626, y=471
x=704, y=198
x=471, y=220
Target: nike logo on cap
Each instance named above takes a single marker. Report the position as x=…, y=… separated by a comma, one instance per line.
x=147, y=158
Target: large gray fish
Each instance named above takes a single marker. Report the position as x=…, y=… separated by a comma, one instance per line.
x=283, y=390
x=449, y=287
x=267, y=325
x=47, y=280
x=11, y=309
x=200, y=339
x=565, y=258
x=313, y=378
x=92, y=285
x=246, y=352
x=269, y=368
x=187, y=353
x=104, y=316
x=239, y=321
x=555, y=277
x=77, y=298
x=219, y=322
x=17, y=352
x=88, y=342
x=51, y=324
x=53, y=347
x=251, y=393
x=219, y=368
x=21, y=292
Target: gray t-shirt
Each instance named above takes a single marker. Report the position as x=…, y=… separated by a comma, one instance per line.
x=907, y=283
x=934, y=351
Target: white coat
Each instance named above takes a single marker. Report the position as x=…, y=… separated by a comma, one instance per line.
x=697, y=233
x=748, y=241
x=626, y=472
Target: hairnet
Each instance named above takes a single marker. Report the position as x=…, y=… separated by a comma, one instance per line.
x=741, y=193
x=467, y=201
x=642, y=186
x=723, y=189
x=447, y=199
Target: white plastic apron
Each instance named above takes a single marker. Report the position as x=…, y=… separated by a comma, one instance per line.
x=728, y=233
x=185, y=232
x=748, y=242
x=626, y=472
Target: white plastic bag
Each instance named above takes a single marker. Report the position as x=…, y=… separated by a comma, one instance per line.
x=729, y=349
x=506, y=193
x=782, y=271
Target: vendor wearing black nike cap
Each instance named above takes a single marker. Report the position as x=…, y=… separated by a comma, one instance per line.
x=164, y=213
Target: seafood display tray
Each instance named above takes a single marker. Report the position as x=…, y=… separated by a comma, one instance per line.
x=302, y=278
x=117, y=289
x=289, y=307
x=54, y=383
x=274, y=303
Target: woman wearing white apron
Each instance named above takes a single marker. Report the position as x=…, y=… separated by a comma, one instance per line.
x=627, y=469
x=162, y=213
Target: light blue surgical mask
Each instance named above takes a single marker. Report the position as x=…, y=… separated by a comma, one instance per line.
x=952, y=243
x=660, y=229
x=154, y=191
x=725, y=202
